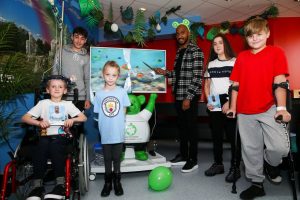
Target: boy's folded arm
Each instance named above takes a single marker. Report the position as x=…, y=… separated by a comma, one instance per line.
x=79, y=118
x=28, y=119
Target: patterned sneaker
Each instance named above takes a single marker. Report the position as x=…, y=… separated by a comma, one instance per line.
x=189, y=166
x=57, y=193
x=272, y=173
x=255, y=190
x=36, y=193
x=215, y=169
x=178, y=160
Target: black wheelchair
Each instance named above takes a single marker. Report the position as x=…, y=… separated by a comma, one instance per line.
x=17, y=177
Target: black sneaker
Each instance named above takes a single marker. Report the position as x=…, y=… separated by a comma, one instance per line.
x=189, y=166
x=215, y=169
x=255, y=190
x=36, y=193
x=272, y=173
x=178, y=160
x=58, y=192
x=231, y=176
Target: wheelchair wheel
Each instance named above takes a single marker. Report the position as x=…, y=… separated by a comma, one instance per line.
x=24, y=175
x=24, y=170
x=84, y=167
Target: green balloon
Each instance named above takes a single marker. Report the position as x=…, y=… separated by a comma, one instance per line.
x=160, y=178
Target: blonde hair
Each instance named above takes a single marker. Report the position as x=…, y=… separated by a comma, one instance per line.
x=256, y=25
x=111, y=63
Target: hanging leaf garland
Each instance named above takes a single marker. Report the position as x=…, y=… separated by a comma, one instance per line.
x=139, y=28
x=139, y=31
x=271, y=12
x=197, y=28
x=151, y=33
x=92, y=11
x=127, y=14
x=128, y=38
x=94, y=18
x=234, y=29
x=225, y=27
x=108, y=22
x=107, y=27
x=110, y=13
x=164, y=20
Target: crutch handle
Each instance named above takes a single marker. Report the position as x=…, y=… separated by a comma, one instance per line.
x=279, y=118
x=229, y=114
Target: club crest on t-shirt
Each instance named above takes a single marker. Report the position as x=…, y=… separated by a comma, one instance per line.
x=110, y=106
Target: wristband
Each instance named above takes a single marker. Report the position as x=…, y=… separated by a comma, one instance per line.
x=279, y=108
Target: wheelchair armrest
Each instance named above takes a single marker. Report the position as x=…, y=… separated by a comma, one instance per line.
x=77, y=124
x=21, y=124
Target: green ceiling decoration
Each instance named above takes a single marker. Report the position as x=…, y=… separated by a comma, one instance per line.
x=154, y=25
x=270, y=12
x=110, y=13
x=92, y=11
x=212, y=33
x=94, y=18
x=225, y=27
x=109, y=21
x=127, y=14
x=139, y=29
x=86, y=6
x=197, y=29
x=151, y=34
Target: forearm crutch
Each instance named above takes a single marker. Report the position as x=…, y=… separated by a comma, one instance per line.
x=285, y=85
x=235, y=157
x=233, y=188
x=291, y=159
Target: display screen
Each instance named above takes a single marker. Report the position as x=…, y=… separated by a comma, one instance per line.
x=136, y=68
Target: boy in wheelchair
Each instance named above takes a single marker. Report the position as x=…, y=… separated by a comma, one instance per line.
x=52, y=141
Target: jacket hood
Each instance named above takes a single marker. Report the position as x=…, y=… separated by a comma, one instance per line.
x=68, y=48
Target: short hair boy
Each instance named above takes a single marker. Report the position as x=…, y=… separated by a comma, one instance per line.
x=263, y=139
x=51, y=144
x=75, y=65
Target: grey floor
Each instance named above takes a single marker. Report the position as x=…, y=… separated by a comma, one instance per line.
x=188, y=186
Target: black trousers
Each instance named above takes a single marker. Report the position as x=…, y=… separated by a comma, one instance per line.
x=53, y=148
x=219, y=124
x=112, y=156
x=187, y=124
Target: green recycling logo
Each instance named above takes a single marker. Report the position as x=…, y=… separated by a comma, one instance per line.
x=131, y=129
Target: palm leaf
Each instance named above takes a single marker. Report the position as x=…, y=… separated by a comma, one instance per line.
x=7, y=36
x=139, y=28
